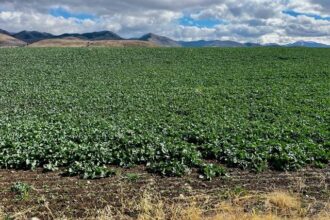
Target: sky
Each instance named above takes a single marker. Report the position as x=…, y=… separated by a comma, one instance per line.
x=258, y=21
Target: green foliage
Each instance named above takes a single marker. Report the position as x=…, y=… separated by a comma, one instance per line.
x=21, y=190
x=236, y=192
x=132, y=177
x=89, y=171
x=170, y=109
x=169, y=168
x=210, y=171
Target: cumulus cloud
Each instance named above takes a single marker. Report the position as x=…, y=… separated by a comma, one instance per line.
x=320, y=7
x=254, y=20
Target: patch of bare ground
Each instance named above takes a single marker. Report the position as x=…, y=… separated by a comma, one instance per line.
x=136, y=194
x=76, y=42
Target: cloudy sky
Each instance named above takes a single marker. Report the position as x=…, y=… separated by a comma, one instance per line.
x=263, y=21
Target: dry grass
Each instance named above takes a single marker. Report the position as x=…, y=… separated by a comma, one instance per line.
x=150, y=207
x=9, y=41
x=325, y=216
x=2, y=213
x=277, y=205
x=76, y=42
x=66, y=42
x=283, y=201
x=228, y=211
x=4, y=37
x=121, y=43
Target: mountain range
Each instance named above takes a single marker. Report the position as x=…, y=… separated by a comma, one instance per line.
x=31, y=37
x=308, y=44
x=4, y=32
x=212, y=43
x=160, y=40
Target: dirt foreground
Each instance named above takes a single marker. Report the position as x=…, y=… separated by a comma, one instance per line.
x=136, y=194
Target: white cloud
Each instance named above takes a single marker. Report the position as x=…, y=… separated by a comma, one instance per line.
x=17, y=21
x=320, y=7
x=253, y=20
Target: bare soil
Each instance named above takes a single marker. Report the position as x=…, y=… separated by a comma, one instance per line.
x=54, y=195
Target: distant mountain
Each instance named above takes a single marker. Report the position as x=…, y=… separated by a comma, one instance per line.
x=217, y=43
x=35, y=36
x=307, y=44
x=101, y=35
x=32, y=36
x=271, y=45
x=77, y=42
x=9, y=41
x=212, y=43
x=252, y=44
x=4, y=32
x=160, y=40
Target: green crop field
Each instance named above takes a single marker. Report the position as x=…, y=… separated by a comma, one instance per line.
x=172, y=110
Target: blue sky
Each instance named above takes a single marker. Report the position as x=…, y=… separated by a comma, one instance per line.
x=185, y=20
x=61, y=12
x=206, y=23
x=311, y=15
x=260, y=21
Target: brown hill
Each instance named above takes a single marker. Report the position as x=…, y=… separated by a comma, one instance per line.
x=121, y=43
x=160, y=40
x=65, y=42
x=9, y=41
x=76, y=42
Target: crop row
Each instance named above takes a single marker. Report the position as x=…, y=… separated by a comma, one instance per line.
x=171, y=110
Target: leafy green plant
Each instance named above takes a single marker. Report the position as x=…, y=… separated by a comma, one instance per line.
x=21, y=190
x=89, y=171
x=83, y=110
x=169, y=168
x=133, y=177
x=210, y=171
